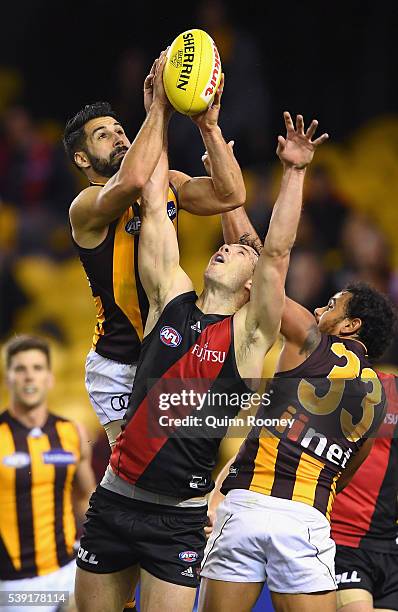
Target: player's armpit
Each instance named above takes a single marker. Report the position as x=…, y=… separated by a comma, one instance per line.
x=87, y=230
x=299, y=327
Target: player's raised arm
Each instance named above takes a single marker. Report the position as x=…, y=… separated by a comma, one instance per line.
x=224, y=189
x=158, y=256
x=267, y=297
x=95, y=208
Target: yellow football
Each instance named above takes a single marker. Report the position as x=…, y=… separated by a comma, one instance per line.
x=192, y=72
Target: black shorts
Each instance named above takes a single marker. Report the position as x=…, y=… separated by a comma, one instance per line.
x=375, y=572
x=166, y=541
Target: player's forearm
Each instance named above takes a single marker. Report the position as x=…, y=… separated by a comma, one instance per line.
x=286, y=214
x=143, y=155
x=154, y=192
x=226, y=173
x=235, y=224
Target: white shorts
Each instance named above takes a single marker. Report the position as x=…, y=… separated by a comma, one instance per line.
x=258, y=538
x=109, y=385
x=61, y=580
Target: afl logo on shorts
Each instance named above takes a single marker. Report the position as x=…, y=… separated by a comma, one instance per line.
x=188, y=556
x=133, y=226
x=170, y=336
x=171, y=210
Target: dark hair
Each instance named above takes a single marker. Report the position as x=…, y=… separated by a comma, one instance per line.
x=24, y=342
x=377, y=314
x=251, y=242
x=74, y=134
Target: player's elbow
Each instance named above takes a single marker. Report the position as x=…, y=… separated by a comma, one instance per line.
x=234, y=198
x=227, y=204
x=278, y=252
x=132, y=182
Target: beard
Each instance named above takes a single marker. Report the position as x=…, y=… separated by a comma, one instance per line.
x=107, y=167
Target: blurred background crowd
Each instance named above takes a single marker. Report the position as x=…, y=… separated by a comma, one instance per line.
x=337, y=67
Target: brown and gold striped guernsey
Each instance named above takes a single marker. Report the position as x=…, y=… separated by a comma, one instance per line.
x=37, y=467
x=120, y=300
x=333, y=402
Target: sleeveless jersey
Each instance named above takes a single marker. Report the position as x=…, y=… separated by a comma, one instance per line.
x=37, y=467
x=323, y=410
x=365, y=513
x=186, y=378
x=120, y=300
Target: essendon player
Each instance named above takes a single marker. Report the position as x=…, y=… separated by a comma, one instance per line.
x=105, y=221
x=273, y=524
x=150, y=510
x=364, y=522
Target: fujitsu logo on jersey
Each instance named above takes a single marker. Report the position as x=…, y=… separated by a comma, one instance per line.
x=205, y=354
x=170, y=336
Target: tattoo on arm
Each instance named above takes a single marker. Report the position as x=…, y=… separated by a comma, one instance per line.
x=311, y=342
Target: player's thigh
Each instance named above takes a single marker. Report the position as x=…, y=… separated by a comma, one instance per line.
x=109, y=385
x=104, y=592
x=220, y=596
x=156, y=594
x=354, y=600
x=310, y=602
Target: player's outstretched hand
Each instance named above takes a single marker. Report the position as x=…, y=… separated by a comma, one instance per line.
x=297, y=148
x=209, y=118
x=153, y=84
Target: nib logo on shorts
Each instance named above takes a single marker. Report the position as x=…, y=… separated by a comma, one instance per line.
x=188, y=572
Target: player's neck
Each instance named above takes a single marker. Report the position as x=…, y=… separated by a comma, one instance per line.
x=35, y=417
x=214, y=301
x=97, y=179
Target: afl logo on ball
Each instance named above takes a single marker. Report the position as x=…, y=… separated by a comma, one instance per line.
x=170, y=336
x=171, y=210
x=188, y=556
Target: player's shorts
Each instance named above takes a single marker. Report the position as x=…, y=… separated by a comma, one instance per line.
x=370, y=571
x=62, y=579
x=109, y=385
x=259, y=538
x=166, y=541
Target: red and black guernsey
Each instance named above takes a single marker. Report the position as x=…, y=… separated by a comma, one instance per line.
x=334, y=400
x=112, y=272
x=365, y=513
x=189, y=354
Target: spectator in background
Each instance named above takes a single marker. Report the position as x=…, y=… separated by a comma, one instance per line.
x=324, y=209
x=131, y=71
x=308, y=282
x=367, y=255
x=35, y=178
x=16, y=296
